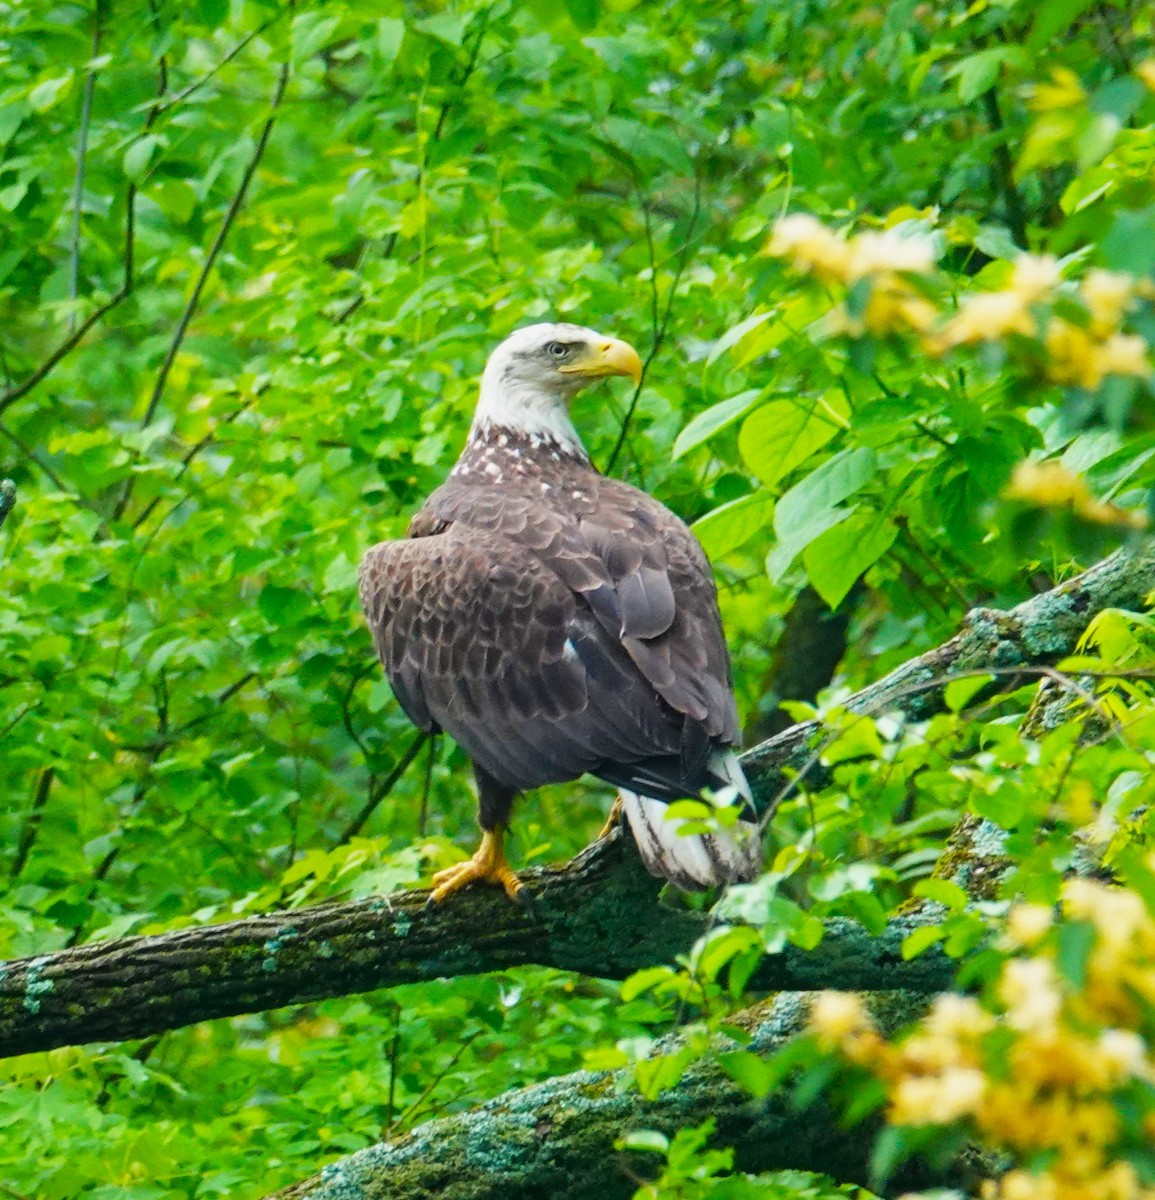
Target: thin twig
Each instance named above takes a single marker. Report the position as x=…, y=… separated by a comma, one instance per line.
x=379, y=793
x=32, y=823
x=186, y=462
x=662, y=328
x=453, y=1061
x=1003, y=171
x=81, y=160
x=231, y=215
x=17, y=392
x=197, y=84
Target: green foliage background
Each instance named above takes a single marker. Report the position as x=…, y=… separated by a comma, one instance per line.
x=291, y=234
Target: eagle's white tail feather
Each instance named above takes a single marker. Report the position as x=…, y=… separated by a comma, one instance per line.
x=700, y=860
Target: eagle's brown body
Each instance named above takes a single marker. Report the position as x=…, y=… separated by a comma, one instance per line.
x=556, y=623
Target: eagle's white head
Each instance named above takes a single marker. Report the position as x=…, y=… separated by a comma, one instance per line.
x=531, y=377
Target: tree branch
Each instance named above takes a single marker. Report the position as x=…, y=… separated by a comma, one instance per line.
x=137, y=986
x=1038, y=632
x=7, y=498
x=559, y=1138
x=132, y=987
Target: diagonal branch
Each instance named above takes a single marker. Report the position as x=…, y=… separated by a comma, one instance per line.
x=133, y=987
x=137, y=986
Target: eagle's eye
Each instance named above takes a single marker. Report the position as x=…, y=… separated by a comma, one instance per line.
x=557, y=350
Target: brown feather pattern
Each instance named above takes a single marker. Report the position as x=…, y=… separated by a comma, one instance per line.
x=554, y=622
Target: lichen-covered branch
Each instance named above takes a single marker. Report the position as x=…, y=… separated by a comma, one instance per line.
x=7, y=498
x=558, y=1138
x=1038, y=632
x=599, y=914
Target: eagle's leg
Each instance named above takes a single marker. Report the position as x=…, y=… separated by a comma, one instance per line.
x=488, y=864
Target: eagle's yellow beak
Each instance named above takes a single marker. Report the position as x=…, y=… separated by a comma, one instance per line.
x=607, y=356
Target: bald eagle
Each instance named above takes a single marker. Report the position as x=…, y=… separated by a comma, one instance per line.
x=559, y=623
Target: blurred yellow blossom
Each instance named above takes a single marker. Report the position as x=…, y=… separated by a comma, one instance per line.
x=810, y=246
x=937, y=1099
x=1124, y=354
x=813, y=248
x=889, y=250
x=1146, y=72
x=835, y=1016
x=1029, y=990
x=987, y=316
x=1027, y=923
x=1049, y=1082
x=1052, y=485
x=1108, y=295
x=1035, y=276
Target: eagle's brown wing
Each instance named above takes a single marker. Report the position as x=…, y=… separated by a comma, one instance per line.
x=482, y=637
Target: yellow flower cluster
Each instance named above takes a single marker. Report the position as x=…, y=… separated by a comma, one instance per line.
x=1052, y=485
x=1076, y=353
x=885, y=258
x=1037, y=1071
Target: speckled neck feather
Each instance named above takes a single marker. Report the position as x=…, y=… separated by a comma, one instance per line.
x=497, y=455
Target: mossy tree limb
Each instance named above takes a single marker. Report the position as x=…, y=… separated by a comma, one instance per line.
x=1036, y=633
x=599, y=914
x=7, y=498
x=558, y=1138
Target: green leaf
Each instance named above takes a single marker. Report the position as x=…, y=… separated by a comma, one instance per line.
x=736, y=333
x=583, y=13
x=799, y=536
x=837, y=558
x=138, y=157
x=751, y=1072
x=942, y=891
x=1053, y=17
x=49, y=92
x=310, y=33
x=213, y=12
x=713, y=420
x=978, y=72
x=659, y=145
x=1076, y=941
x=390, y=34
x=445, y=27
x=996, y=242
x=834, y=481
x=663, y=1071
x=780, y=436
x=726, y=528
x=960, y=692
x=645, y=1139
x=921, y=939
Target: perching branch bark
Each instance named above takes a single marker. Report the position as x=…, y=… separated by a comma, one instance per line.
x=598, y=914
x=138, y=986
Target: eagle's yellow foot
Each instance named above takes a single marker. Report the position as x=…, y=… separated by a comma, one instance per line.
x=612, y=820
x=487, y=865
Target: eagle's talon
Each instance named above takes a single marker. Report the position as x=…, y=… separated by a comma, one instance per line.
x=487, y=865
